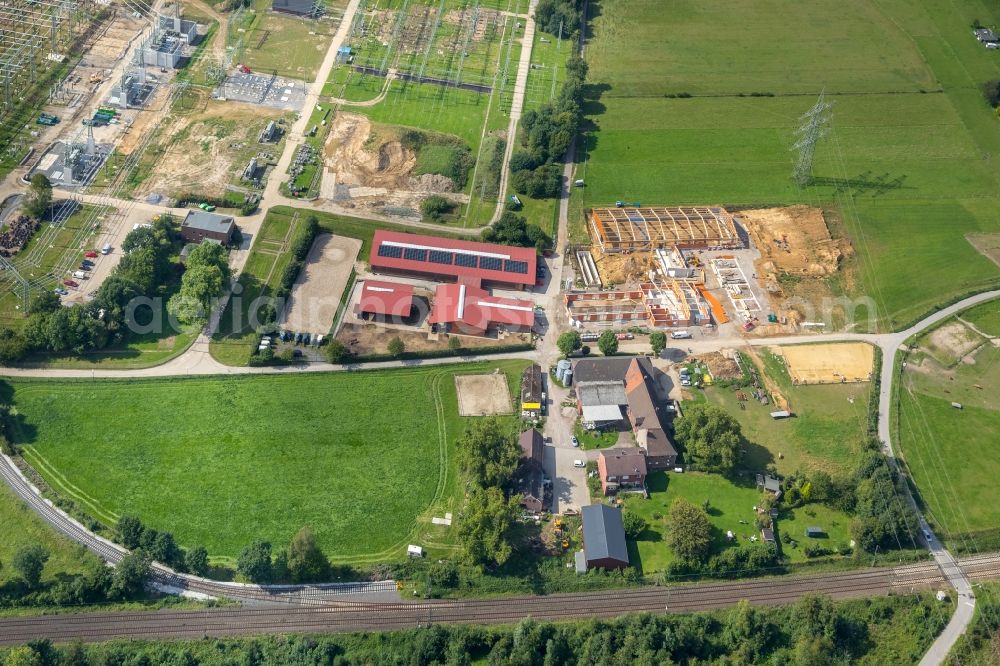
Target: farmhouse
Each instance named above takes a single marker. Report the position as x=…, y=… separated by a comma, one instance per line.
x=467, y=309
x=447, y=260
x=604, y=537
x=532, y=445
x=384, y=301
x=605, y=386
x=986, y=36
x=621, y=469
x=200, y=225
x=531, y=392
x=307, y=8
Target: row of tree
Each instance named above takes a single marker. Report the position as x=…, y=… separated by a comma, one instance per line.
x=206, y=277
x=160, y=546
x=302, y=562
x=488, y=454
x=95, y=584
x=146, y=269
x=548, y=133
x=813, y=632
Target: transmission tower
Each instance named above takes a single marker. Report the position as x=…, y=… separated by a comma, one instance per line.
x=815, y=125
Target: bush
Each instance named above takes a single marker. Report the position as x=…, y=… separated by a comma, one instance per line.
x=413, y=140
x=435, y=207
x=991, y=92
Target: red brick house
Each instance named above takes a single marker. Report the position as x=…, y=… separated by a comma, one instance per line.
x=621, y=469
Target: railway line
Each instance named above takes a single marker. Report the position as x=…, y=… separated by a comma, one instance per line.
x=345, y=616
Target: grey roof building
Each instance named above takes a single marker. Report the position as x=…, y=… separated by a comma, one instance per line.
x=200, y=225
x=604, y=537
x=308, y=8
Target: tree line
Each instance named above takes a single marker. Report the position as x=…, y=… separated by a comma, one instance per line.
x=814, y=631
x=147, y=269
x=546, y=136
x=303, y=561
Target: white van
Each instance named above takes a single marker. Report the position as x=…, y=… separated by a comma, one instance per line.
x=106, y=249
x=80, y=275
x=680, y=335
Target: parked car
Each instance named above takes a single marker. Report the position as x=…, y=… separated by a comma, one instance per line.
x=85, y=267
x=576, y=442
x=71, y=283
x=60, y=291
x=90, y=254
x=298, y=338
x=579, y=463
x=297, y=353
x=306, y=338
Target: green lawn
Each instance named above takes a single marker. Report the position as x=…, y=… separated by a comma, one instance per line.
x=23, y=528
x=828, y=429
x=951, y=453
x=288, y=47
x=912, y=163
x=595, y=439
x=985, y=317
x=221, y=461
x=731, y=502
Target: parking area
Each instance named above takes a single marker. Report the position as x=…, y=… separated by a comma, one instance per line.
x=264, y=89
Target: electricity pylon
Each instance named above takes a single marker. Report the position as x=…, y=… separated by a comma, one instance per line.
x=815, y=125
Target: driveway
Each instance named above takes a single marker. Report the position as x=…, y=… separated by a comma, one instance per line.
x=569, y=484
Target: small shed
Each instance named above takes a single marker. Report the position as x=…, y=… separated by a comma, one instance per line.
x=580, y=560
x=414, y=551
x=767, y=535
x=781, y=414
x=815, y=532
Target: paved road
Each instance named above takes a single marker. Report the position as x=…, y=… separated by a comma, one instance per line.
x=355, y=616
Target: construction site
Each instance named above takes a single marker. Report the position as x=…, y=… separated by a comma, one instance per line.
x=666, y=267
x=647, y=267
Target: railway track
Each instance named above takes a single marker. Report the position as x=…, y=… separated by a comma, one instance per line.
x=344, y=616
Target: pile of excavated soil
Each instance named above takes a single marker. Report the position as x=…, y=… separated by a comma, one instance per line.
x=358, y=158
x=794, y=240
x=721, y=366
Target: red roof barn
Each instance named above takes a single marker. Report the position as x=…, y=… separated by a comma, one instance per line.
x=446, y=259
x=464, y=308
x=385, y=299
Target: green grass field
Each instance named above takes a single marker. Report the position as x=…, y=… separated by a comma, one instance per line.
x=292, y=47
x=829, y=427
x=221, y=461
x=23, y=528
x=731, y=503
x=950, y=453
x=912, y=163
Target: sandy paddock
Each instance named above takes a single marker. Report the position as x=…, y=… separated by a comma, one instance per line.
x=317, y=291
x=483, y=395
x=829, y=363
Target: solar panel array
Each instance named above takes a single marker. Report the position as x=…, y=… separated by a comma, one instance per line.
x=453, y=257
x=390, y=251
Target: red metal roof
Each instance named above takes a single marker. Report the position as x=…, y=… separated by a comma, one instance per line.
x=502, y=256
x=474, y=309
x=391, y=299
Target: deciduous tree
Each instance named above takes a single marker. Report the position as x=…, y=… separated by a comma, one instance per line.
x=196, y=561
x=29, y=562
x=711, y=437
x=486, y=525
x=488, y=452
x=689, y=533
x=254, y=562
x=657, y=342
x=130, y=575
x=396, y=347
x=569, y=342
x=306, y=562
x=608, y=343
